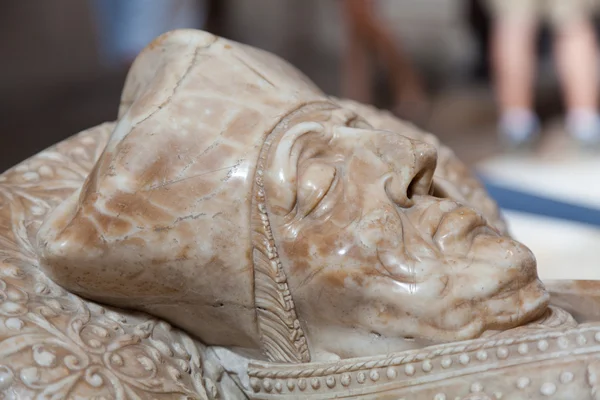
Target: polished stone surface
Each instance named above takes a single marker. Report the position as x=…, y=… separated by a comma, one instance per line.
x=238, y=202
x=310, y=247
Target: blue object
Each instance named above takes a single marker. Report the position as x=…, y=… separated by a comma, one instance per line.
x=125, y=27
x=515, y=200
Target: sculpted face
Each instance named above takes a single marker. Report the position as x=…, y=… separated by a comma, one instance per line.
x=238, y=202
x=373, y=256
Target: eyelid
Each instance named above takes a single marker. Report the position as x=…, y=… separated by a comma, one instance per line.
x=313, y=187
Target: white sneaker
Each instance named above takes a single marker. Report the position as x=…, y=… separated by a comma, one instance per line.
x=519, y=128
x=584, y=126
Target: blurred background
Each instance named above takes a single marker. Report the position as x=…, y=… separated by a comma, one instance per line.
x=434, y=62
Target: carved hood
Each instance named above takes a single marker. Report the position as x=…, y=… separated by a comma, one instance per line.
x=172, y=192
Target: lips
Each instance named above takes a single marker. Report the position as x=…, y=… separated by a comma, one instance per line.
x=457, y=229
x=493, y=276
x=451, y=226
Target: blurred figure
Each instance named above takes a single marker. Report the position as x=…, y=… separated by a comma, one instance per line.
x=367, y=38
x=125, y=27
x=513, y=57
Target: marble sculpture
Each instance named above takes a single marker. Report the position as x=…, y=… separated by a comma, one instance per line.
x=237, y=233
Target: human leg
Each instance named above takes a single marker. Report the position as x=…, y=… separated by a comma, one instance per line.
x=513, y=62
x=577, y=64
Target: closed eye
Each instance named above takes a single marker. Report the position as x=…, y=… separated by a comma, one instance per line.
x=314, y=183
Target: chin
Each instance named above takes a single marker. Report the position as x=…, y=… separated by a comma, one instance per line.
x=519, y=307
x=515, y=296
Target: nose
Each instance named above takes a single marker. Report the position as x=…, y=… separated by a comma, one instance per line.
x=413, y=165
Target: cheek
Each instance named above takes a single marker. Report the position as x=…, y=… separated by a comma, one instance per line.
x=344, y=215
x=319, y=247
x=383, y=230
x=343, y=293
x=329, y=246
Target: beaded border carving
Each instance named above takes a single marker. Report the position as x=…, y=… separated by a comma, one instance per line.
x=421, y=367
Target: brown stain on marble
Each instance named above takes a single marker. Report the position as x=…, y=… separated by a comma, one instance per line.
x=137, y=206
x=133, y=242
x=334, y=277
x=112, y=226
x=298, y=252
x=82, y=233
x=156, y=42
x=153, y=174
x=340, y=277
x=183, y=253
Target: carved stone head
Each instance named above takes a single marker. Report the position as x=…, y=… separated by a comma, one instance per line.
x=239, y=202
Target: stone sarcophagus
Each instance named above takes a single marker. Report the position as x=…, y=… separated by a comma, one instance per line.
x=236, y=233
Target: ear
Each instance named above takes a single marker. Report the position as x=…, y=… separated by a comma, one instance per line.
x=281, y=177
